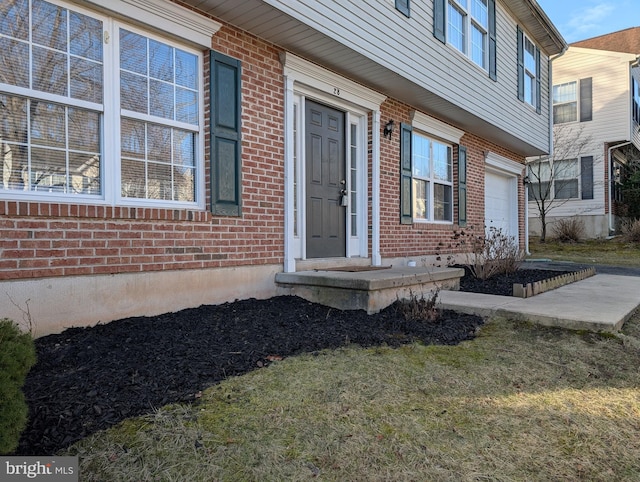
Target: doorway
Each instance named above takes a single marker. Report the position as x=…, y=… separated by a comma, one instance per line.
x=325, y=181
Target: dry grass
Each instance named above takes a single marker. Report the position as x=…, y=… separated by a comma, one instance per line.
x=616, y=251
x=520, y=402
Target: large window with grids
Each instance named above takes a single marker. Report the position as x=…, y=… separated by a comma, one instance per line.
x=432, y=175
x=92, y=109
x=468, y=28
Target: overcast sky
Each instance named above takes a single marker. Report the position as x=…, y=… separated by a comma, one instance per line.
x=583, y=19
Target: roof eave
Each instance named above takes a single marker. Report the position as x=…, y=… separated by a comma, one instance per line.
x=537, y=24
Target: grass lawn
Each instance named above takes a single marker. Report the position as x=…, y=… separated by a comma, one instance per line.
x=520, y=402
x=614, y=251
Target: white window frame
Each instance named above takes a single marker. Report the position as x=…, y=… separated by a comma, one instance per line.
x=157, y=16
x=557, y=176
x=431, y=180
x=469, y=24
x=530, y=76
x=566, y=102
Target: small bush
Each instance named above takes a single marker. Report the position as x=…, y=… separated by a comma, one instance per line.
x=17, y=356
x=419, y=309
x=568, y=230
x=631, y=231
x=493, y=255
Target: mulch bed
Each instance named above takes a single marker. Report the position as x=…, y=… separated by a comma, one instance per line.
x=88, y=379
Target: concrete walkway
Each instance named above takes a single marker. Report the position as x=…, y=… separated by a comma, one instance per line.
x=600, y=303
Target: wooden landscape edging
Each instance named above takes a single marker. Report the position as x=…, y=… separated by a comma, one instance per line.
x=532, y=289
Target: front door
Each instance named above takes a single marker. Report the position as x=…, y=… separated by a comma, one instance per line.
x=325, y=181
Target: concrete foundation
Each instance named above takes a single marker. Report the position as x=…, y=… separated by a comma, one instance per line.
x=54, y=304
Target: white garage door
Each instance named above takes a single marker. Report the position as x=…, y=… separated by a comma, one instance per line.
x=501, y=203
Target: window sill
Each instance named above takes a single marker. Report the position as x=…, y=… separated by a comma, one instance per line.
x=64, y=210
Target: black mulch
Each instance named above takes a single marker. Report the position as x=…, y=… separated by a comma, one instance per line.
x=88, y=379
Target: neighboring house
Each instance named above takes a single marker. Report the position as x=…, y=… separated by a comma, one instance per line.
x=160, y=155
x=596, y=117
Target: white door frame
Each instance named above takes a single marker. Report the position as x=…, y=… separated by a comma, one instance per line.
x=503, y=166
x=304, y=79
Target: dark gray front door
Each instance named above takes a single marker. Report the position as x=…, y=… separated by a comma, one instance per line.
x=325, y=175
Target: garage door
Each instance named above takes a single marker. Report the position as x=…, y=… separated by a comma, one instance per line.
x=500, y=203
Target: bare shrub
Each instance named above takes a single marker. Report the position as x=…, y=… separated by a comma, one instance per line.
x=419, y=309
x=568, y=230
x=631, y=230
x=494, y=254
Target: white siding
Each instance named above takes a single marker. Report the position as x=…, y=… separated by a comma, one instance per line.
x=609, y=72
x=376, y=30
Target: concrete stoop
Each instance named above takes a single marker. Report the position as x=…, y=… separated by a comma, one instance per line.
x=367, y=290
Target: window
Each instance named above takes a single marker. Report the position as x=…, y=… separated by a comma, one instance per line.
x=469, y=26
x=561, y=179
x=528, y=71
x=636, y=101
x=565, y=103
x=572, y=101
x=71, y=129
x=431, y=178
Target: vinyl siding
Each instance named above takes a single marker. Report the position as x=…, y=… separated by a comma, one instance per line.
x=407, y=46
x=611, y=116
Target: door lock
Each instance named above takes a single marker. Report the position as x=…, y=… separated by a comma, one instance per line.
x=344, y=199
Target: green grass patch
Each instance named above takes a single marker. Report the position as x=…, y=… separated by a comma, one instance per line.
x=520, y=402
x=615, y=252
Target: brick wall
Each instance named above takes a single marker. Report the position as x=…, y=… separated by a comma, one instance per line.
x=398, y=240
x=41, y=239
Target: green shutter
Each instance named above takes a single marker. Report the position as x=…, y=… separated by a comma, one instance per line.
x=226, y=169
x=406, y=184
x=520, y=39
x=538, y=83
x=586, y=176
x=403, y=6
x=462, y=186
x=493, y=72
x=439, y=20
x=586, y=107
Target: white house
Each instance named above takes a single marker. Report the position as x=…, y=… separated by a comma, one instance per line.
x=596, y=116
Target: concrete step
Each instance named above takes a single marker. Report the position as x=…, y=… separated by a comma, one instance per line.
x=369, y=290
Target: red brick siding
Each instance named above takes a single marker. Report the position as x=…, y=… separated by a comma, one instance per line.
x=398, y=240
x=40, y=239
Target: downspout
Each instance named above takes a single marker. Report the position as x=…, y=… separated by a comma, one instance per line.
x=376, y=259
x=526, y=188
x=526, y=209
x=610, y=161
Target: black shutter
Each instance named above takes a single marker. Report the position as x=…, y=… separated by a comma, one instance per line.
x=439, y=20
x=403, y=6
x=538, y=83
x=462, y=186
x=406, y=184
x=520, y=64
x=493, y=72
x=586, y=110
x=586, y=176
x=225, y=143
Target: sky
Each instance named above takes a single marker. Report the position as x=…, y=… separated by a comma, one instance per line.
x=583, y=19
